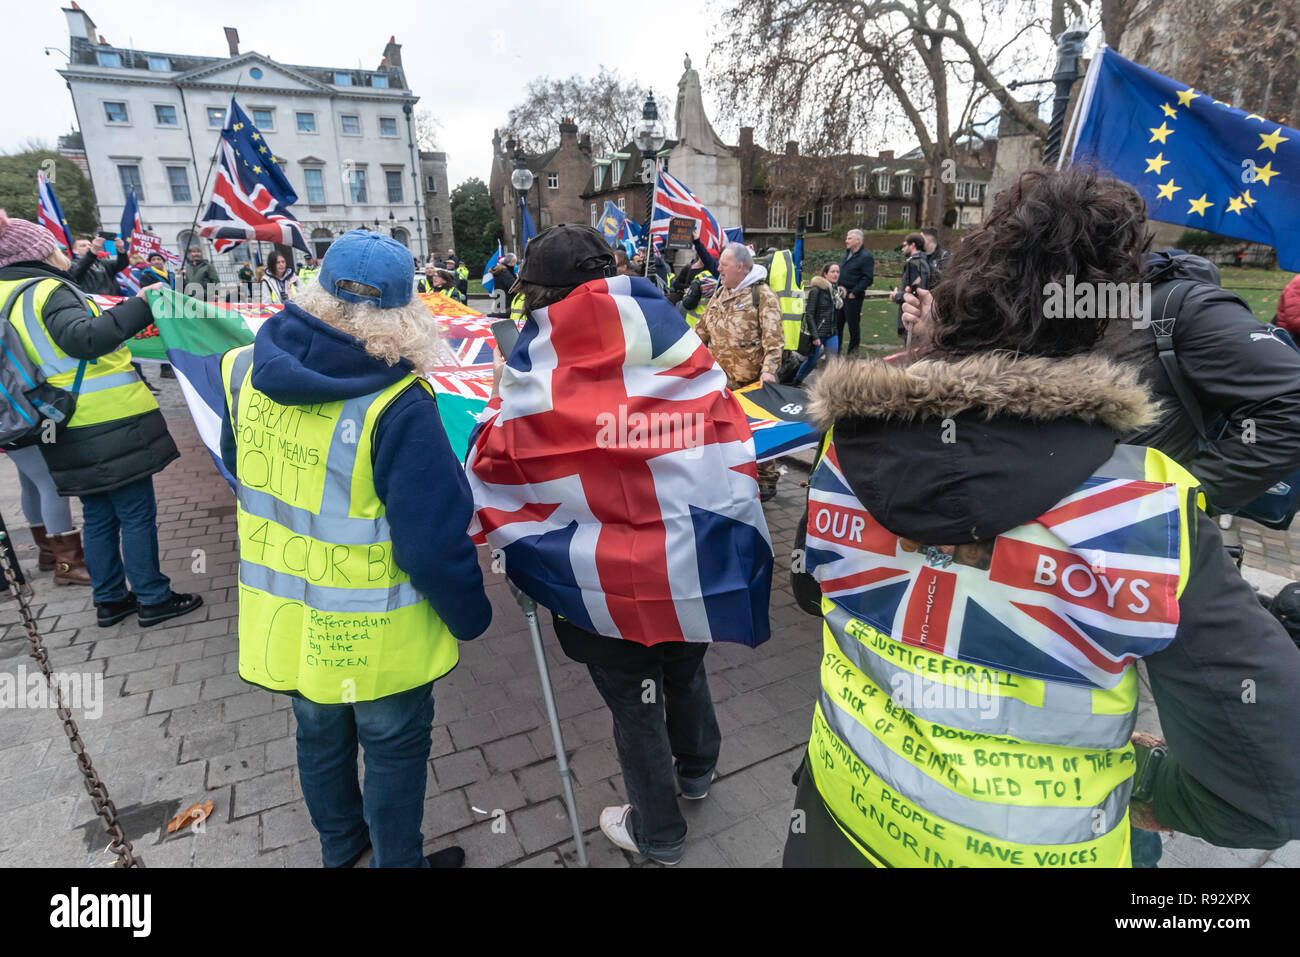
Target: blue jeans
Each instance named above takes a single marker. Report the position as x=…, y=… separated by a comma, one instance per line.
x=1146, y=849
x=395, y=732
x=831, y=345
x=120, y=528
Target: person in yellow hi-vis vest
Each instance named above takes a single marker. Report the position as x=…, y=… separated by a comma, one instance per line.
x=990, y=564
x=356, y=574
x=116, y=439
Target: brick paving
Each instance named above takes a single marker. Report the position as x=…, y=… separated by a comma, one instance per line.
x=179, y=726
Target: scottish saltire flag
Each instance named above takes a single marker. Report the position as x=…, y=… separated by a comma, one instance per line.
x=611, y=222
x=1076, y=596
x=130, y=224
x=674, y=199
x=616, y=474
x=489, y=281
x=48, y=213
x=251, y=195
x=1196, y=160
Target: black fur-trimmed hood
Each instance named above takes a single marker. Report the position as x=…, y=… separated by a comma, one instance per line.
x=947, y=453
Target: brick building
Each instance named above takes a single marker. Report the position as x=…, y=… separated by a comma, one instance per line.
x=559, y=176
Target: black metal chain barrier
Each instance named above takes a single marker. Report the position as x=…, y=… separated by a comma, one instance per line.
x=96, y=788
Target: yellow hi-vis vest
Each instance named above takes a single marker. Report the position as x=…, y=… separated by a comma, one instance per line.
x=323, y=607
x=926, y=759
x=306, y=275
x=694, y=315
x=517, y=308
x=462, y=272
x=110, y=389
x=781, y=278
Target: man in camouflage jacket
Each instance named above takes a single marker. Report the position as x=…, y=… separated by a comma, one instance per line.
x=742, y=328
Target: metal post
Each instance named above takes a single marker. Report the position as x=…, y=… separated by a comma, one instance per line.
x=1069, y=49
x=650, y=187
x=561, y=758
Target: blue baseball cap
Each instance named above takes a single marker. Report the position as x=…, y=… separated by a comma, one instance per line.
x=369, y=260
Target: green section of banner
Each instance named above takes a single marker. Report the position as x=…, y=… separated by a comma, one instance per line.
x=181, y=322
x=459, y=416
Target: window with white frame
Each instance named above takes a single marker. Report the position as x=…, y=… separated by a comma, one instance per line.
x=858, y=209
x=777, y=218
x=379, y=81
x=393, y=181
x=129, y=175
x=552, y=180
x=165, y=115
x=430, y=184
x=882, y=216
x=306, y=121
x=905, y=184
x=597, y=176
x=264, y=118
x=160, y=64
x=622, y=203
x=357, y=185
x=882, y=182
x=216, y=117
x=115, y=112
x=314, y=177
x=179, y=182
x=108, y=58
x=342, y=79
x=388, y=126
x=859, y=181
x=351, y=124
x=826, y=217
x=619, y=166
x=595, y=216
x=905, y=214
x=960, y=192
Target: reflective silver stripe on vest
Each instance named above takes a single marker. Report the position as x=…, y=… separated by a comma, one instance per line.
x=336, y=497
x=356, y=601
x=113, y=381
x=1065, y=718
x=51, y=362
x=1006, y=822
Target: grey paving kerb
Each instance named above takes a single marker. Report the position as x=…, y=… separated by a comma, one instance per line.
x=179, y=726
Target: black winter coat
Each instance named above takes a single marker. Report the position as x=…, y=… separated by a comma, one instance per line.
x=98, y=458
x=857, y=272
x=1232, y=773
x=819, y=310
x=95, y=276
x=1234, y=370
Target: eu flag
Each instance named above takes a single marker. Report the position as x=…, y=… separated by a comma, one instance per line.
x=611, y=222
x=1196, y=160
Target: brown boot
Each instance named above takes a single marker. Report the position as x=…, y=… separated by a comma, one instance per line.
x=45, y=557
x=69, y=561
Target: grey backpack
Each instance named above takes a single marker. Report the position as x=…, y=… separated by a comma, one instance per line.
x=27, y=400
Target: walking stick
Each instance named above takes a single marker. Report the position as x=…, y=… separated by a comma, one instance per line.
x=561, y=759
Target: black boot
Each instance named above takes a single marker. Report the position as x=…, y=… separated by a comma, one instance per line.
x=110, y=613
x=178, y=604
x=448, y=857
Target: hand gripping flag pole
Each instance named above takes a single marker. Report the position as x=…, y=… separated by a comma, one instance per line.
x=561, y=759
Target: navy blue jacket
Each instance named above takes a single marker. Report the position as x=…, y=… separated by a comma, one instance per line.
x=299, y=360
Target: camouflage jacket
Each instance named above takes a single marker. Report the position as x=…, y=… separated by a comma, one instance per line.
x=745, y=341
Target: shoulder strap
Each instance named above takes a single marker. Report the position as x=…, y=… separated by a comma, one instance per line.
x=755, y=291
x=1163, y=328
x=29, y=286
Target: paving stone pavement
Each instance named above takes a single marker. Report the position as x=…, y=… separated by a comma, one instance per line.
x=179, y=726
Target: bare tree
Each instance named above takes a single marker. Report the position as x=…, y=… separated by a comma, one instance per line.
x=427, y=127
x=839, y=76
x=606, y=106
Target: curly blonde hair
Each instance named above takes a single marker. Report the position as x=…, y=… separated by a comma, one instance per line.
x=403, y=332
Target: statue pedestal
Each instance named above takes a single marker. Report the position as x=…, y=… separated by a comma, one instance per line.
x=714, y=179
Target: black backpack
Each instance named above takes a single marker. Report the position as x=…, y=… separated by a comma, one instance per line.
x=27, y=401
x=1277, y=506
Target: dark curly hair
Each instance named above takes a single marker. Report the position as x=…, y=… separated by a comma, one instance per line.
x=1048, y=225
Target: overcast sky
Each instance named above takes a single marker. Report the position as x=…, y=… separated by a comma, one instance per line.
x=468, y=62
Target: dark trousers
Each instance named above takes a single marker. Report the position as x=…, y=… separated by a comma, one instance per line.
x=850, y=318
x=814, y=839
x=663, y=720
x=120, y=537
x=395, y=733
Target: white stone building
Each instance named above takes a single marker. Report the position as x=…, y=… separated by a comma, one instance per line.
x=345, y=137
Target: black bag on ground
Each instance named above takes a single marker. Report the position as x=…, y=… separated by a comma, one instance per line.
x=1285, y=607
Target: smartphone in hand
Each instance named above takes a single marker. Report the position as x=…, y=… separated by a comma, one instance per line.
x=507, y=334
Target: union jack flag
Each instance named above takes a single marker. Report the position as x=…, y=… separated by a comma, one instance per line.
x=1076, y=596
x=251, y=195
x=674, y=199
x=48, y=213
x=616, y=473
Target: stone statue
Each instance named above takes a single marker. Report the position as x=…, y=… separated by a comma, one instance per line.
x=693, y=128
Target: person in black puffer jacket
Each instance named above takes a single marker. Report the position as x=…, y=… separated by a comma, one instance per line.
x=825, y=299
x=116, y=439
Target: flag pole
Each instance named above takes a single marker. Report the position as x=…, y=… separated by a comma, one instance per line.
x=208, y=176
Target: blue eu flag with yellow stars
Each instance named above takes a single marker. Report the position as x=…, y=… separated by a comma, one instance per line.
x=1197, y=161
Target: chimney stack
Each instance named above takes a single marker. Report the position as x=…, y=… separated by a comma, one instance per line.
x=886, y=154
x=232, y=40
x=791, y=147
x=568, y=132
x=393, y=53
x=746, y=137
x=79, y=22
x=584, y=144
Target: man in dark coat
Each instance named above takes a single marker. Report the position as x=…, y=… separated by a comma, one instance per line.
x=95, y=276
x=857, y=273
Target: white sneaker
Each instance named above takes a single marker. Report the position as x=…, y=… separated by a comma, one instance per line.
x=613, y=823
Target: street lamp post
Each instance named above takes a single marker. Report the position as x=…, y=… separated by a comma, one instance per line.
x=521, y=179
x=649, y=138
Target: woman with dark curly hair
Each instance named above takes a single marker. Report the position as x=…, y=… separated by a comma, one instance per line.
x=991, y=562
